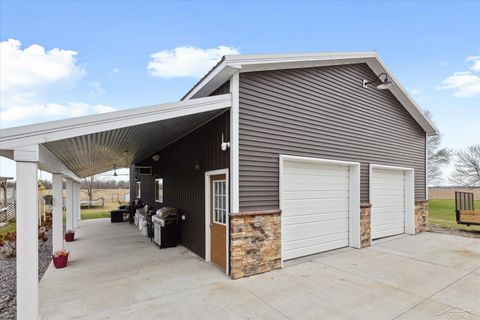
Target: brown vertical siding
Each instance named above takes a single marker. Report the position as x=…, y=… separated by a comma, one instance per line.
x=184, y=186
x=325, y=113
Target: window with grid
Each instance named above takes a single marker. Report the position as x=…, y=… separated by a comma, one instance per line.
x=220, y=201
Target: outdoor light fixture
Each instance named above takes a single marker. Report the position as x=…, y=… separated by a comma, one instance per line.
x=155, y=157
x=385, y=84
x=224, y=144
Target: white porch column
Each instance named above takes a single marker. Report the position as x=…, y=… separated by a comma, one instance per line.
x=27, y=232
x=69, y=204
x=57, y=215
x=76, y=203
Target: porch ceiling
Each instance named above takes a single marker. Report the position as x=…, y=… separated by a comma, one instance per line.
x=99, y=152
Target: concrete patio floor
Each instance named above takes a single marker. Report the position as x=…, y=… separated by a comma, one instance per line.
x=116, y=273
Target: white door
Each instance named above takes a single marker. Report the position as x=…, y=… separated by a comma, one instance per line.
x=388, y=202
x=315, y=208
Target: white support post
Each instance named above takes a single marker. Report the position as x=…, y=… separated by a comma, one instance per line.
x=234, y=141
x=57, y=215
x=27, y=232
x=76, y=204
x=69, y=204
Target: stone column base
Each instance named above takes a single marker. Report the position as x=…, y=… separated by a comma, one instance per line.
x=255, y=243
x=365, y=225
x=421, y=216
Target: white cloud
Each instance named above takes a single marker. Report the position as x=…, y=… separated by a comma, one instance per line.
x=34, y=66
x=21, y=114
x=476, y=63
x=115, y=70
x=96, y=89
x=33, y=77
x=465, y=83
x=186, y=61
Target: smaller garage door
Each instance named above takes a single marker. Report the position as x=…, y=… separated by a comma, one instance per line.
x=315, y=208
x=388, y=202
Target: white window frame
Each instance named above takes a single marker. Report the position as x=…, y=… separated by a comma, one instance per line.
x=156, y=192
x=354, y=194
x=226, y=204
x=138, y=191
x=208, y=256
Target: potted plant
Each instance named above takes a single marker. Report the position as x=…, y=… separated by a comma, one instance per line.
x=60, y=258
x=69, y=235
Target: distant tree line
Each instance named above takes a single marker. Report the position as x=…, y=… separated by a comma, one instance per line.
x=84, y=184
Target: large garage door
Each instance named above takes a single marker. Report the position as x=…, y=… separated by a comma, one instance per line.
x=315, y=204
x=388, y=202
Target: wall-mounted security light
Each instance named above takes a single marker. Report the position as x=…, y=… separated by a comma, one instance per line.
x=156, y=157
x=224, y=144
x=382, y=84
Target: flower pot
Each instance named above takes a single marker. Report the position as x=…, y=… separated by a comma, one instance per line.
x=69, y=236
x=60, y=262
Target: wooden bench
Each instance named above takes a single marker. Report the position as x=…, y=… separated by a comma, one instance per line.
x=465, y=209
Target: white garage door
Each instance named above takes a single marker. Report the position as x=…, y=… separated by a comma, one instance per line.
x=388, y=202
x=315, y=204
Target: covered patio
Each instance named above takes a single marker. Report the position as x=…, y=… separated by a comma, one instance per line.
x=427, y=276
x=76, y=148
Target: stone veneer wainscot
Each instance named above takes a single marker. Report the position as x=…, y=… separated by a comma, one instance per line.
x=421, y=216
x=255, y=245
x=365, y=225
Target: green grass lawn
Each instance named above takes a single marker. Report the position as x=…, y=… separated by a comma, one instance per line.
x=11, y=227
x=442, y=214
x=96, y=213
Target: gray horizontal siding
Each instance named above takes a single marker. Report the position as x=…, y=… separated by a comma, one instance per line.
x=324, y=113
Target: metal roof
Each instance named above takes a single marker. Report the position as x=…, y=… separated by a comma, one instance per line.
x=263, y=62
x=94, y=144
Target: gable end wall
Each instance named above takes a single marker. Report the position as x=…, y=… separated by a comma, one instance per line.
x=324, y=113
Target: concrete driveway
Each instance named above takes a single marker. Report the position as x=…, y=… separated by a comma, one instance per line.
x=116, y=273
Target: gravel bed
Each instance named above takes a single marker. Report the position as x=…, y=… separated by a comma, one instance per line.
x=8, y=272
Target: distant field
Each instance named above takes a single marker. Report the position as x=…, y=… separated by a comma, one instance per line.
x=442, y=214
x=449, y=193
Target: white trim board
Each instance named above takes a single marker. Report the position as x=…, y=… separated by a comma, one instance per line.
x=354, y=193
x=208, y=256
x=409, y=193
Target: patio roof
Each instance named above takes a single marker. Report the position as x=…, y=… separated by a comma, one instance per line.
x=83, y=146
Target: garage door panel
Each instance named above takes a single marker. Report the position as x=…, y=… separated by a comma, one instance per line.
x=322, y=204
x=315, y=229
x=388, y=219
x=311, y=246
x=305, y=168
x=320, y=247
x=305, y=195
x=313, y=217
x=310, y=180
x=315, y=204
x=388, y=202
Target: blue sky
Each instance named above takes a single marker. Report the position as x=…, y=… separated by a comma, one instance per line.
x=431, y=47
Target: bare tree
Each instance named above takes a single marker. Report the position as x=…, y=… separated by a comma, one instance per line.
x=89, y=187
x=467, y=167
x=438, y=157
